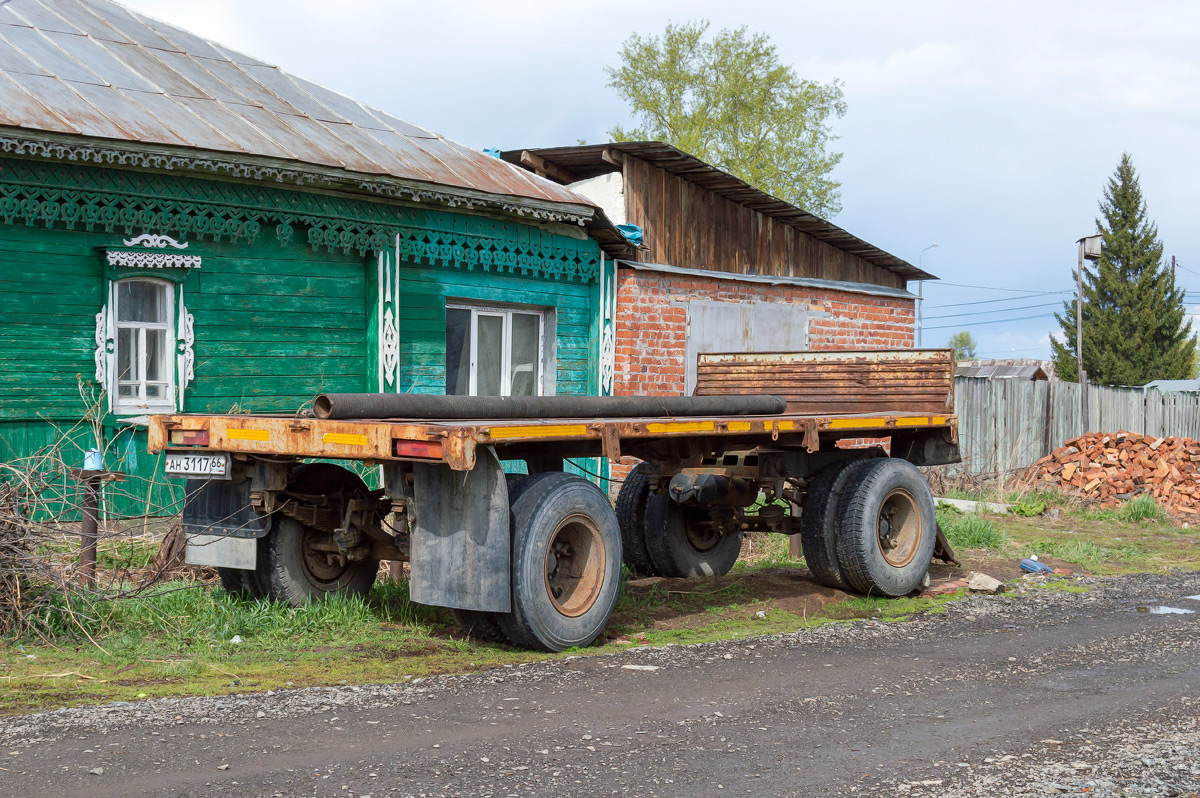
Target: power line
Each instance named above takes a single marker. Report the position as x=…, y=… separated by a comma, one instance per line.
x=999, y=310
x=993, y=301
x=994, y=321
x=987, y=287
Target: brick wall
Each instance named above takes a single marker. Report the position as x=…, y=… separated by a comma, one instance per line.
x=652, y=323
x=652, y=328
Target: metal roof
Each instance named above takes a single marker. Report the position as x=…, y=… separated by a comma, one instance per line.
x=92, y=68
x=571, y=164
x=1175, y=386
x=1001, y=370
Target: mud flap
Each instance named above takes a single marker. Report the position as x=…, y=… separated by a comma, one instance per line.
x=460, y=538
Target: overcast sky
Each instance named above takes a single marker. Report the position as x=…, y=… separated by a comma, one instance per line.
x=990, y=130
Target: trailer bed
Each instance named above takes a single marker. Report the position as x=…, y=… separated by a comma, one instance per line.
x=454, y=442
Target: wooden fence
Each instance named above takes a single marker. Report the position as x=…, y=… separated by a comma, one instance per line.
x=1008, y=424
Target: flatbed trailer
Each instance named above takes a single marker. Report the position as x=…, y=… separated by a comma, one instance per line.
x=535, y=559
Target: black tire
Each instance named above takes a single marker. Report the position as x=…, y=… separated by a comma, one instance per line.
x=631, y=517
x=680, y=543
x=482, y=625
x=296, y=580
x=563, y=512
x=888, y=528
x=819, y=522
x=242, y=583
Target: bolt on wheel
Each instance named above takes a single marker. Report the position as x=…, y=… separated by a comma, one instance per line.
x=575, y=566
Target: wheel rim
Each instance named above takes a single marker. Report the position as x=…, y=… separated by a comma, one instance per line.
x=322, y=565
x=575, y=566
x=899, y=528
x=701, y=535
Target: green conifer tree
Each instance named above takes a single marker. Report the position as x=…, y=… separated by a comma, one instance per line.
x=1135, y=326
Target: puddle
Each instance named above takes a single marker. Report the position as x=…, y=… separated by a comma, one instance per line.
x=1164, y=610
x=1193, y=598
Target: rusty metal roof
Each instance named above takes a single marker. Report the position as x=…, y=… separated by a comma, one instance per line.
x=95, y=69
x=570, y=164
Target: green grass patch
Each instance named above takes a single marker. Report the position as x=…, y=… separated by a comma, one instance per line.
x=1139, y=510
x=965, y=531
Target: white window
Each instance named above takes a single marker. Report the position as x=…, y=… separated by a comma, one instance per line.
x=494, y=351
x=143, y=336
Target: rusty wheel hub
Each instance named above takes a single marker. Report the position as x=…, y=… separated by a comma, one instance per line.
x=575, y=566
x=321, y=557
x=899, y=528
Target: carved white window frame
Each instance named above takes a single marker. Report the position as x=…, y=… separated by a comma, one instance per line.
x=181, y=339
x=157, y=252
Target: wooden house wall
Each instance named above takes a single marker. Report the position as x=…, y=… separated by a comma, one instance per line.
x=689, y=226
x=274, y=325
x=424, y=293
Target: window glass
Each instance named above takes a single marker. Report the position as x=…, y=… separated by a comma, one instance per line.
x=458, y=352
x=138, y=300
x=525, y=355
x=489, y=348
x=493, y=351
x=126, y=354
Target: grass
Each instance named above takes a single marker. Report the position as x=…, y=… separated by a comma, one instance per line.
x=178, y=640
x=971, y=532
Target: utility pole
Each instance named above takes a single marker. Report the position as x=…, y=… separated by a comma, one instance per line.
x=1172, y=269
x=1089, y=248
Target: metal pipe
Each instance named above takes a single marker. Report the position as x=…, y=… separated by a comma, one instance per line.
x=435, y=406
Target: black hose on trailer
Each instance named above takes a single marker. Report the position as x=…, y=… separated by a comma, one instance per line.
x=434, y=406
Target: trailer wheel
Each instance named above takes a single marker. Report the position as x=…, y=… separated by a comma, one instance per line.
x=819, y=522
x=566, y=563
x=243, y=583
x=684, y=546
x=888, y=528
x=481, y=625
x=298, y=567
x=631, y=516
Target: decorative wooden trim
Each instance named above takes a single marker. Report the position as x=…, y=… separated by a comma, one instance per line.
x=101, y=354
x=155, y=242
x=185, y=355
x=608, y=316
x=151, y=260
x=107, y=154
x=75, y=196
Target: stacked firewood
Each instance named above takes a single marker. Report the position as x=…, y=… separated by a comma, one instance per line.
x=1113, y=468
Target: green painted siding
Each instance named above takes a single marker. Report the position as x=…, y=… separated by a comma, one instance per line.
x=423, y=297
x=275, y=326
x=279, y=316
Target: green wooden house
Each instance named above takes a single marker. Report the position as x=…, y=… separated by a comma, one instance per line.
x=185, y=228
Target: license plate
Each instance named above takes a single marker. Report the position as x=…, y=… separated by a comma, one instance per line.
x=212, y=466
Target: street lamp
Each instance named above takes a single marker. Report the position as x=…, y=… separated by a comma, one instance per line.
x=1089, y=249
x=921, y=291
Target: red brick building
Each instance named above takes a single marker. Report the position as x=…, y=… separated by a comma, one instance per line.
x=723, y=266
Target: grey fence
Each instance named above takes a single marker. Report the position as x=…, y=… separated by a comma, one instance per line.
x=1008, y=424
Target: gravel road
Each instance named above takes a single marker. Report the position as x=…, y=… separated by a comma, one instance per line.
x=1036, y=692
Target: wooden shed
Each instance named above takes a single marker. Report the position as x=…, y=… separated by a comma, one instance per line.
x=724, y=266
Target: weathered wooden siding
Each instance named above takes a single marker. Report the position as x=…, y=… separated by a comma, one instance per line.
x=691, y=227
x=423, y=296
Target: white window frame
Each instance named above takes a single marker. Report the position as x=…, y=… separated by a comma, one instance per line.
x=506, y=313
x=139, y=403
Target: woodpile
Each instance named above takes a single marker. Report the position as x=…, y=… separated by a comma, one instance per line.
x=1113, y=468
